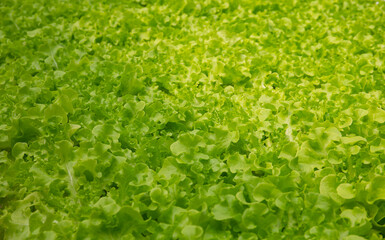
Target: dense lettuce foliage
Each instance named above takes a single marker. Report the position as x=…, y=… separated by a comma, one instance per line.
x=181, y=119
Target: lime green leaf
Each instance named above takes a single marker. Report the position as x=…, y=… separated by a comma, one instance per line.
x=352, y=139
x=346, y=190
x=265, y=191
x=328, y=187
x=106, y=132
x=357, y=215
x=108, y=205
x=19, y=149
x=378, y=115
x=237, y=162
x=253, y=215
x=159, y=195
x=192, y=232
x=289, y=151
x=64, y=150
x=178, y=148
x=376, y=189
x=55, y=111
x=227, y=209
x=353, y=237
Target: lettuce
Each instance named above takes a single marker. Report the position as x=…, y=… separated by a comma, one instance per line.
x=152, y=119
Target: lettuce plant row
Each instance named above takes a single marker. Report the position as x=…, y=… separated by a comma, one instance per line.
x=239, y=119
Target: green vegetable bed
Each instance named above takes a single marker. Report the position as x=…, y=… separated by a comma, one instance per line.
x=181, y=119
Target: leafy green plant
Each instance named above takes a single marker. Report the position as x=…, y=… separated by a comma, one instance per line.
x=192, y=119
